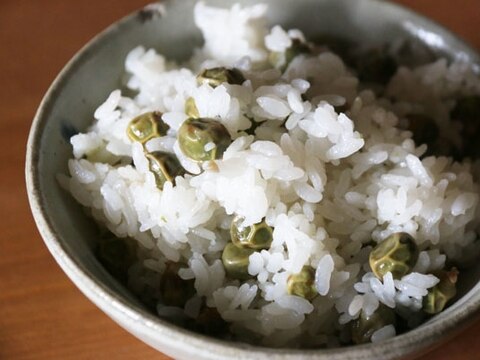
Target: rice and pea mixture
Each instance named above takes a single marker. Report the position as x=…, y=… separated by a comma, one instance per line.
x=262, y=192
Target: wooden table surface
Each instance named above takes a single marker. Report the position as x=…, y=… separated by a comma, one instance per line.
x=42, y=314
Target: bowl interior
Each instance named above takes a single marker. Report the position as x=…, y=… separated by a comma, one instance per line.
x=99, y=68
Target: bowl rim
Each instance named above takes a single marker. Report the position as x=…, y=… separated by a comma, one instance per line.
x=417, y=341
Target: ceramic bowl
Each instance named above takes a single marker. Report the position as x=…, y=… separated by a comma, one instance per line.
x=97, y=69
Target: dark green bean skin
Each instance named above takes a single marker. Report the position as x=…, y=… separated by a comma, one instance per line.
x=303, y=283
x=257, y=236
x=194, y=134
x=219, y=75
x=397, y=254
x=146, y=127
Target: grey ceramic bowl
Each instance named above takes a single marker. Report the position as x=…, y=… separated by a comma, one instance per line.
x=97, y=69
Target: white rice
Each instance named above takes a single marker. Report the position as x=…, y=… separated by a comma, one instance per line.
x=329, y=182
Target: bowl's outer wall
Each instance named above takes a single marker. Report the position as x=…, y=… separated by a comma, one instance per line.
x=87, y=81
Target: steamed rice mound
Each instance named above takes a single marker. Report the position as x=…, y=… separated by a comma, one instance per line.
x=329, y=167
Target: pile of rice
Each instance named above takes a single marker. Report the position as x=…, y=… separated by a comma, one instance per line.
x=331, y=183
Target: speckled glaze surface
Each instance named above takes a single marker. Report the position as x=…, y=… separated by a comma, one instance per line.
x=97, y=69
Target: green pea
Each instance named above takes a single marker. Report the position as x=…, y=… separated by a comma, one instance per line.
x=191, y=108
x=257, y=236
x=146, y=126
x=235, y=261
x=175, y=291
x=102, y=155
x=424, y=128
x=397, y=254
x=438, y=296
x=281, y=60
x=363, y=328
x=194, y=134
x=117, y=255
x=219, y=75
x=164, y=166
x=303, y=283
